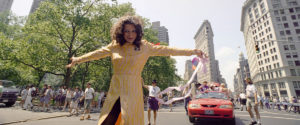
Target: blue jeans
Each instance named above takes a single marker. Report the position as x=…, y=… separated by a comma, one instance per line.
x=186, y=102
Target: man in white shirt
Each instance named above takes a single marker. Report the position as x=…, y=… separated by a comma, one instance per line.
x=88, y=97
x=251, y=94
x=29, y=97
x=243, y=100
x=152, y=102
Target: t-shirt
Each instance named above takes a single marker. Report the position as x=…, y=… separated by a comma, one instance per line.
x=243, y=96
x=153, y=91
x=250, y=90
x=89, y=93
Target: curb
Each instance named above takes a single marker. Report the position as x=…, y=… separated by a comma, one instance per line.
x=43, y=118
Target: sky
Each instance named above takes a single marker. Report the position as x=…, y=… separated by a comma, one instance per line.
x=183, y=18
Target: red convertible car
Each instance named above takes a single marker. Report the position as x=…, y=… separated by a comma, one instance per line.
x=211, y=105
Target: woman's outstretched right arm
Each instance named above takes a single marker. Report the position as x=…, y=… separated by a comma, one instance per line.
x=95, y=55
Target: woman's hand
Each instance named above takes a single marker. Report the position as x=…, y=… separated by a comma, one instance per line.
x=74, y=61
x=200, y=54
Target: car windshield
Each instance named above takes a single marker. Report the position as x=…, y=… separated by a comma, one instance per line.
x=216, y=95
x=8, y=84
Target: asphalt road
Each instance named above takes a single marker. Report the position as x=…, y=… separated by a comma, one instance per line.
x=177, y=117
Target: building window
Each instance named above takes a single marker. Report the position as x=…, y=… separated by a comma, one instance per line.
x=281, y=85
x=292, y=3
x=298, y=31
x=293, y=72
x=297, y=63
x=288, y=32
x=296, y=24
x=290, y=38
x=283, y=18
x=292, y=47
x=273, y=86
x=297, y=9
x=281, y=33
x=291, y=10
x=288, y=55
x=291, y=63
x=265, y=86
x=278, y=19
x=276, y=6
x=295, y=83
x=281, y=11
x=280, y=74
x=295, y=55
x=286, y=47
x=286, y=25
x=293, y=17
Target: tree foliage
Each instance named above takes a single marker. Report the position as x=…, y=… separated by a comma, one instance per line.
x=61, y=29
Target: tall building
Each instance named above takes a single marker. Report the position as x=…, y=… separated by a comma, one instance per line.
x=162, y=32
x=204, y=42
x=5, y=5
x=35, y=5
x=188, y=70
x=273, y=26
x=241, y=74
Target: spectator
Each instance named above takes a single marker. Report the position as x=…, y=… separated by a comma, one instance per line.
x=74, y=103
x=24, y=95
x=243, y=100
x=68, y=98
x=29, y=98
x=48, y=96
x=88, y=97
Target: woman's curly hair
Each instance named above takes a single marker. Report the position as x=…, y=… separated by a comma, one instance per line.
x=117, y=30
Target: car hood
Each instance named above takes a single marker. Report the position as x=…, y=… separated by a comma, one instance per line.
x=14, y=90
x=211, y=101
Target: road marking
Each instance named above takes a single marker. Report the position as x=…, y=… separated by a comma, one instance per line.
x=270, y=117
x=266, y=112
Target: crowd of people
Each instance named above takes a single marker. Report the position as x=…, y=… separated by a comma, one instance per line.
x=283, y=103
x=62, y=99
x=250, y=98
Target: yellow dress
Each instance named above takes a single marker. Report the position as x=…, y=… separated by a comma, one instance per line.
x=125, y=86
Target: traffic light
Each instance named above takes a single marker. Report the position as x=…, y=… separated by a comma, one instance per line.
x=257, y=48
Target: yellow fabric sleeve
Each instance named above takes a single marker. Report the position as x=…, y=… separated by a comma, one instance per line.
x=97, y=54
x=160, y=50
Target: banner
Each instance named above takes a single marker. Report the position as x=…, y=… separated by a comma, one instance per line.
x=201, y=65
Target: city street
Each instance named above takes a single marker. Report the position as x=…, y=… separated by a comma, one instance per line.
x=16, y=116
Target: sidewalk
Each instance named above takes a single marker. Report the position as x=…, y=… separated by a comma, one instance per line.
x=8, y=115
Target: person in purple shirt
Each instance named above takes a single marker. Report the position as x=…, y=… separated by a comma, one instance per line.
x=203, y=87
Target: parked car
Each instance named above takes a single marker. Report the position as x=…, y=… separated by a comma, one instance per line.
x=9, y=94
x=211, y=105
